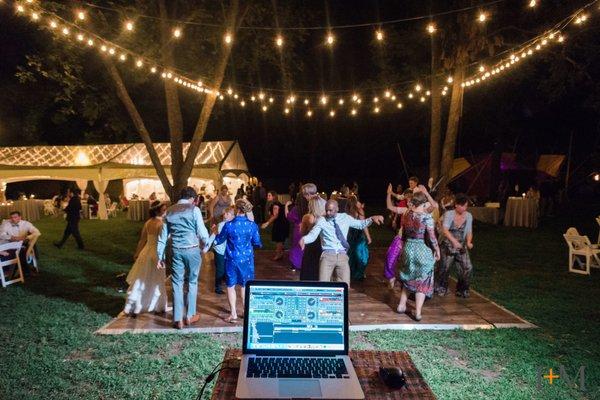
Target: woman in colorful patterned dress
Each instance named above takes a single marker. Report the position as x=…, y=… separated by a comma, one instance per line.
x=359, y=241
x=395, y=249
x=418, y=260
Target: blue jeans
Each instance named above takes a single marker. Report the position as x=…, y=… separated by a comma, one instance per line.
x=185, y=262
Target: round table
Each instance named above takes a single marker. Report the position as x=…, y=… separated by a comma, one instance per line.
x=489, y=215
x=521, y=211
x=139, y=210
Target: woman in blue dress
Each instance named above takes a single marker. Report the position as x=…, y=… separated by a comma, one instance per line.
x=359, y=241
x=241, y=236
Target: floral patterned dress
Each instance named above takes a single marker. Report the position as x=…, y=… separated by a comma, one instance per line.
x=417, y=258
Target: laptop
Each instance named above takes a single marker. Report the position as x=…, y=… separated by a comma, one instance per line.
x=295, y=342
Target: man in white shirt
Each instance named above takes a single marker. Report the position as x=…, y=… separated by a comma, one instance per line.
x=333, y=230
x=15, y=229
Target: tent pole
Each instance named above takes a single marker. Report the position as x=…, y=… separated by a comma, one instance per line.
x=403, y=162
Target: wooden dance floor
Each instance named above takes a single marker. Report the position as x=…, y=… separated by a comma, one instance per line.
x=371, y=305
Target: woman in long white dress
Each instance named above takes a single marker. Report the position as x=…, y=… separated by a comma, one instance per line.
x=147, y=292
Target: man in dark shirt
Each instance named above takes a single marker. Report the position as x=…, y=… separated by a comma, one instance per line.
x=73, y=211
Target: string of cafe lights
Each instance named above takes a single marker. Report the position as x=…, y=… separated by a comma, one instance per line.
x=265, y=99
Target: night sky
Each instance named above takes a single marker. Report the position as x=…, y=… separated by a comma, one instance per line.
x=533, y=110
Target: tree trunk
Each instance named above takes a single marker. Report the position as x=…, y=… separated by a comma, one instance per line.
x=435, y=135
x=138, y=122
x=233, y=20
x=454, y=116
x=174, y=116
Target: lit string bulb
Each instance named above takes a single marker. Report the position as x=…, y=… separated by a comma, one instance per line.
x=129, y=26
x=330, y=39
x=482, y=17
x=35, y=16
x=279, y=41
x=431, y=28
x=228, y=38
x=177, y=33
x=379, y=35
x=532, y=3
x=81, y=15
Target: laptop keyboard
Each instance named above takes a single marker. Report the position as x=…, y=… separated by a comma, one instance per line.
x=297, y=367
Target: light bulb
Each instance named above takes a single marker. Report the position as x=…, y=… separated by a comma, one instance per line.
x=306, y=101
x=431, y=28
x=481, y=68
x=228, y=38
x=379, y=35
x=375, y=99
x=341, y=102
x=271, y=100
x=35, y=16
x=252, y=98
x=65, y=31
x=20, y=8
x=122, y=57
x=139, y=63
x=261, y=96
x=177, y=33
x=399, y=105
x=410, y=95
x=286, y=111
x=332, y=113
x=482, y=17
x=153, y=70
x=329, y=39
x=387, y=93
x=309, y=113
x=532, y=3
x=422, y=99
x=81, y=15
x=323, y=100
x=376, y=110
x=90, y=42
x=417, y=88
x=279, y=40
x=450, y=79
x=354, y=97
x=230, y=91
x=53, y=24
x=264, y=108
x=129, y=26
x=353, y=112
x=243, y=103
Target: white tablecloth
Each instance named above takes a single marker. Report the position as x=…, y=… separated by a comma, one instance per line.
x=139, y=210
x=29, y=209
x=521, y=211
x=488, y=215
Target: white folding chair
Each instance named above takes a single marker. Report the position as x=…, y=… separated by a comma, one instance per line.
x=112, y=210
x=16, y=246
x=31, y=258
x=580, y=246
x=49, y=207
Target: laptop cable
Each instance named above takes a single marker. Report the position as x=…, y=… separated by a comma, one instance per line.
x=230, y=363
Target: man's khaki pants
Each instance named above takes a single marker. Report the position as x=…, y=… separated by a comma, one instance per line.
x=334, y=263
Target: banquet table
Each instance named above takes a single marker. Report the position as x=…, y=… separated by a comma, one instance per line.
x=139, y=210
x=489, y=215
x=521, y=211
x=29, y=209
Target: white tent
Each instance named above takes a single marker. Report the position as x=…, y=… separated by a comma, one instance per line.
x=102, y=163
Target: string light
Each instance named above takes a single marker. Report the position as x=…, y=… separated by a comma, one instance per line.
x=329, y=39
x=581, y=19
x=129, y=26
x=79, y=37
x=376, y=110
x=332, y=113
x=243, y=103
x=265, y=108
x=177, y=33
x=153, y=70
x=323, y=100
x=35, y=16
x=399, y=105
x=450, y=79
x=306, y=102
x=341, y=102
x=286, y=111
x=431, y=28
x=482, y=17
x=139, y=63
x=20, y=8
x=379, y=35
x=53, y=24
x=309, y=113
x=228, y=38
x=65, y=31
x=90, y=42
x=532, y=3
x=279, y=41
x=353, y=111
x=81, y=15
x=417, y=88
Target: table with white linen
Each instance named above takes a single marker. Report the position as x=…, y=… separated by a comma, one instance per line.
x=521, y=211
x=489, y=215
x=139, y=210
x=29, y=209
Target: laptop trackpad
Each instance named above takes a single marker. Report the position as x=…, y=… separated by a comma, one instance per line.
x=303, y=388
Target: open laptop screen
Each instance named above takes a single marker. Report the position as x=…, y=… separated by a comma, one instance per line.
x=296, y=318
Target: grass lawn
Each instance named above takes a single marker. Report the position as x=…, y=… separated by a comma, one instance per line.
x=49, y=350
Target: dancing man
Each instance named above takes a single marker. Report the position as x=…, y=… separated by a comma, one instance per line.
x=183, y=224
x=333, y=231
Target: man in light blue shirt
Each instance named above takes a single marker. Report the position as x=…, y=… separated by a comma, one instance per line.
x=184, y=225
x=333, y=230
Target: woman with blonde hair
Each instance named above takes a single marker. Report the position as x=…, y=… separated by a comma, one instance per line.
x=312, y=251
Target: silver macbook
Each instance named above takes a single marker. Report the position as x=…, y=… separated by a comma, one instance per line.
x=295, y=342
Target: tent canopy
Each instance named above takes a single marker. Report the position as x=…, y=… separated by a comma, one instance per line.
x=115, y=161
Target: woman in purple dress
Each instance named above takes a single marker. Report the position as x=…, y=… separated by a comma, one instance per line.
x=294, y=217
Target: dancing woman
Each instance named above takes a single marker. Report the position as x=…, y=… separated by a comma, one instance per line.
x=281, y=227
x=358, y=239
x=417, y=259
x=395, y=249
x=147, y=292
